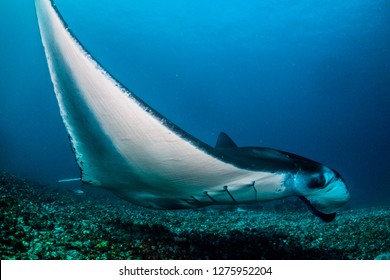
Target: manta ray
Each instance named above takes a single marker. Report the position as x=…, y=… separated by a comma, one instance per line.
x=123, y=145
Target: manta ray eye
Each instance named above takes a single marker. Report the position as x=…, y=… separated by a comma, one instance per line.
x=317, y=182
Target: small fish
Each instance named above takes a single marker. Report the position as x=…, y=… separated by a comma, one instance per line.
x=78, y=191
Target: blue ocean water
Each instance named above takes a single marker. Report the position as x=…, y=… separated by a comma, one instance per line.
x=308, y=77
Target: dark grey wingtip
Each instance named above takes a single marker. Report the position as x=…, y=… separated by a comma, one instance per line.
x=323, y=216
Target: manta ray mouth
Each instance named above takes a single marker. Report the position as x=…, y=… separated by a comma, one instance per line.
x=323, y=216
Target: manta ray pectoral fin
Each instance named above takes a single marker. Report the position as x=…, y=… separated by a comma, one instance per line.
x=224, y=141
x=323, y=216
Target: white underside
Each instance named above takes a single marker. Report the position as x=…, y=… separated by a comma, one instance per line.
x=122, y=146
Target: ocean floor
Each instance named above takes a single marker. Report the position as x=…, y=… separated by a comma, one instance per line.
x=43, y=222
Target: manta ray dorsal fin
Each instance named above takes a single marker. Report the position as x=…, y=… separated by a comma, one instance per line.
x=224, y=141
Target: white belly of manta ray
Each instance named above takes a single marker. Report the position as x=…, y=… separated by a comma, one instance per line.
x=123, y=145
